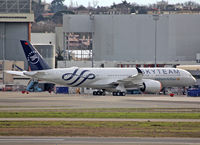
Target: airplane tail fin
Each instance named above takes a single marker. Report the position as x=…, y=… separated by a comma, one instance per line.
x=35, y=60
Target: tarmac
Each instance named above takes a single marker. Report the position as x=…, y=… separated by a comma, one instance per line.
x=19, y=101
x=97, y=141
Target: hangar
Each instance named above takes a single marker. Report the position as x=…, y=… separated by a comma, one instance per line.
x=15, y=24
x=170, y=39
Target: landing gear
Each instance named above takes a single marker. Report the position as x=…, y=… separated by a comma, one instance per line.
x=99, y=93
x=121, y=90
x=119, y=93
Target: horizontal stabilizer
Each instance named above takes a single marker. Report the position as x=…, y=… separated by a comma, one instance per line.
x=34, y=73
x=31, y=74
x=18, y=73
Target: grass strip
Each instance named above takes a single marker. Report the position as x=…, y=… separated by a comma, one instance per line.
x=100, y=128
x=126, y=115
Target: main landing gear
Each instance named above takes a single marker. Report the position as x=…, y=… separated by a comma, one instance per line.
x=99, y=93
x=119, y=93
x=103, y=93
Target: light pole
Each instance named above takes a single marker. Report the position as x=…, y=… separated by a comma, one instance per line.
x=155, y=18
x=93, y=28
x=3, y=53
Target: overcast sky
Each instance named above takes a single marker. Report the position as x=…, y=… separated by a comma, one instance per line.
x=110, y=2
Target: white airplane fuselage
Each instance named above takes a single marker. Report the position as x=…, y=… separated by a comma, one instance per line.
x=102, y=78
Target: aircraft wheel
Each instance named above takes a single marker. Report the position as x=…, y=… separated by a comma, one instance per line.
x=123, y=93
x=114, y=94
x=94, y=93
x=119, y=94
x=99, y=93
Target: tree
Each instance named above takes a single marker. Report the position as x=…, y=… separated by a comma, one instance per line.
x=95, y=3
x=59, y=54
x=58, y=16
x=133, y=10
x=37, y=8
x=57, y=5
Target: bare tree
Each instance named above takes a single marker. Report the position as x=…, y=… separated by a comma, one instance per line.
x=95, y=3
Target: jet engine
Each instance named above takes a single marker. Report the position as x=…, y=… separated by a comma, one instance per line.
x=151, y=86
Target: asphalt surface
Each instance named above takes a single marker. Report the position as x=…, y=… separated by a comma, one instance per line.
x=96, y=141
x=18, y=101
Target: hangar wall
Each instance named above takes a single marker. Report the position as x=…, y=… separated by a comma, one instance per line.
x=132, y=37
x=11, y=34
x=15, y=24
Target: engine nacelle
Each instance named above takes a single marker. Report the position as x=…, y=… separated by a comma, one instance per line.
x=151, y=86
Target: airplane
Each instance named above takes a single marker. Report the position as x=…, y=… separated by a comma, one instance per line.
x=115, y=80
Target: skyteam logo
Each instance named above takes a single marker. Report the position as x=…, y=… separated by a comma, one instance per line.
x=33, y=57
x=75, y=79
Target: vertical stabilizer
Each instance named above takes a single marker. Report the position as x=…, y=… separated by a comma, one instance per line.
x=35, y=60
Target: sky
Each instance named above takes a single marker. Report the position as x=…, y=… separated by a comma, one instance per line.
x=110, y=2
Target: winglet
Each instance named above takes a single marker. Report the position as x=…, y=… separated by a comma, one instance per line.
x=139, y=70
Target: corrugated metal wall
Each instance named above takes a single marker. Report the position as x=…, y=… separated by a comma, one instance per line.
x=11, y=34
x=132, y=37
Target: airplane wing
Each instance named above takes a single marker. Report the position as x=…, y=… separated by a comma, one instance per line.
x=134, y=80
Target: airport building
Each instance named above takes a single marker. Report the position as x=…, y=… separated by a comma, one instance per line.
x=138, y=39
x=15, y=24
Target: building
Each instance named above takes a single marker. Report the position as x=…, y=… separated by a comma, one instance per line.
x=15, y=25
x=140, y=39
x=45, y=44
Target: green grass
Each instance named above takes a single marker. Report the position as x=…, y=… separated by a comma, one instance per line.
x=141, y=115
x=105, y=124
x=100, y=128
